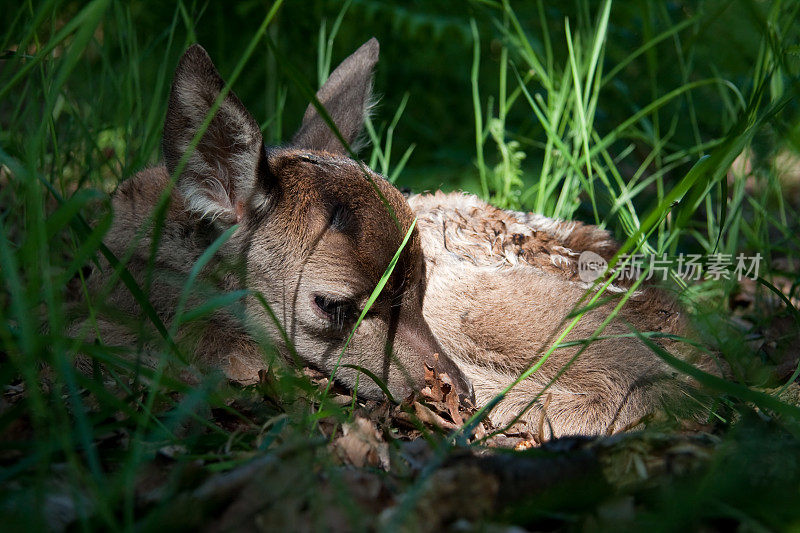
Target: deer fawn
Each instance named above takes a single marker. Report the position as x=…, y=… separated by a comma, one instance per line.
x=477, y=291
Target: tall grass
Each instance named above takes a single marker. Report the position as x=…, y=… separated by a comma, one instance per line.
x=78, y=114
x=57, y=148
x=613, y=176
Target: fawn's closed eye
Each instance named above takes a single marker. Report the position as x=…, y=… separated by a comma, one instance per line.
x=339, y=311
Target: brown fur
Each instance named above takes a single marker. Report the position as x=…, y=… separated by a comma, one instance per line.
x=479, y=292
x=310, y=224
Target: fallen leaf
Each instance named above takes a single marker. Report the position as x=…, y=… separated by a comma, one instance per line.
x=427, y=416
x=361, y=444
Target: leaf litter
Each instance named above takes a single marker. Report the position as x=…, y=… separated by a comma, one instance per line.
x=367, y=464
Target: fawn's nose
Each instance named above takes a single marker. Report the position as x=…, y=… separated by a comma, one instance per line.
x=427, y=348
x=463, y=386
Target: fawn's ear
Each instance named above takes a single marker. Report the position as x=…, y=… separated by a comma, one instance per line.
x=220, y=173
x=346, y=98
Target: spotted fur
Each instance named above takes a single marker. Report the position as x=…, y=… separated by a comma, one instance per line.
x=503, y=285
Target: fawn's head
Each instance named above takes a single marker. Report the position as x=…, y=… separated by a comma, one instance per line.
x=316, y=229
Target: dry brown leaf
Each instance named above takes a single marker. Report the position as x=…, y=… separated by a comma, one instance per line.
x=361, y=444
x=453, y=405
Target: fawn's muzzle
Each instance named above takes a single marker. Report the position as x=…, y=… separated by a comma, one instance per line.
x=421, y=340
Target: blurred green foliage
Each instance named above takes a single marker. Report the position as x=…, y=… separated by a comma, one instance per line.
x=426, y=50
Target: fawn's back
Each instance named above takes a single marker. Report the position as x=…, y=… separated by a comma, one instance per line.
x=504, y=285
